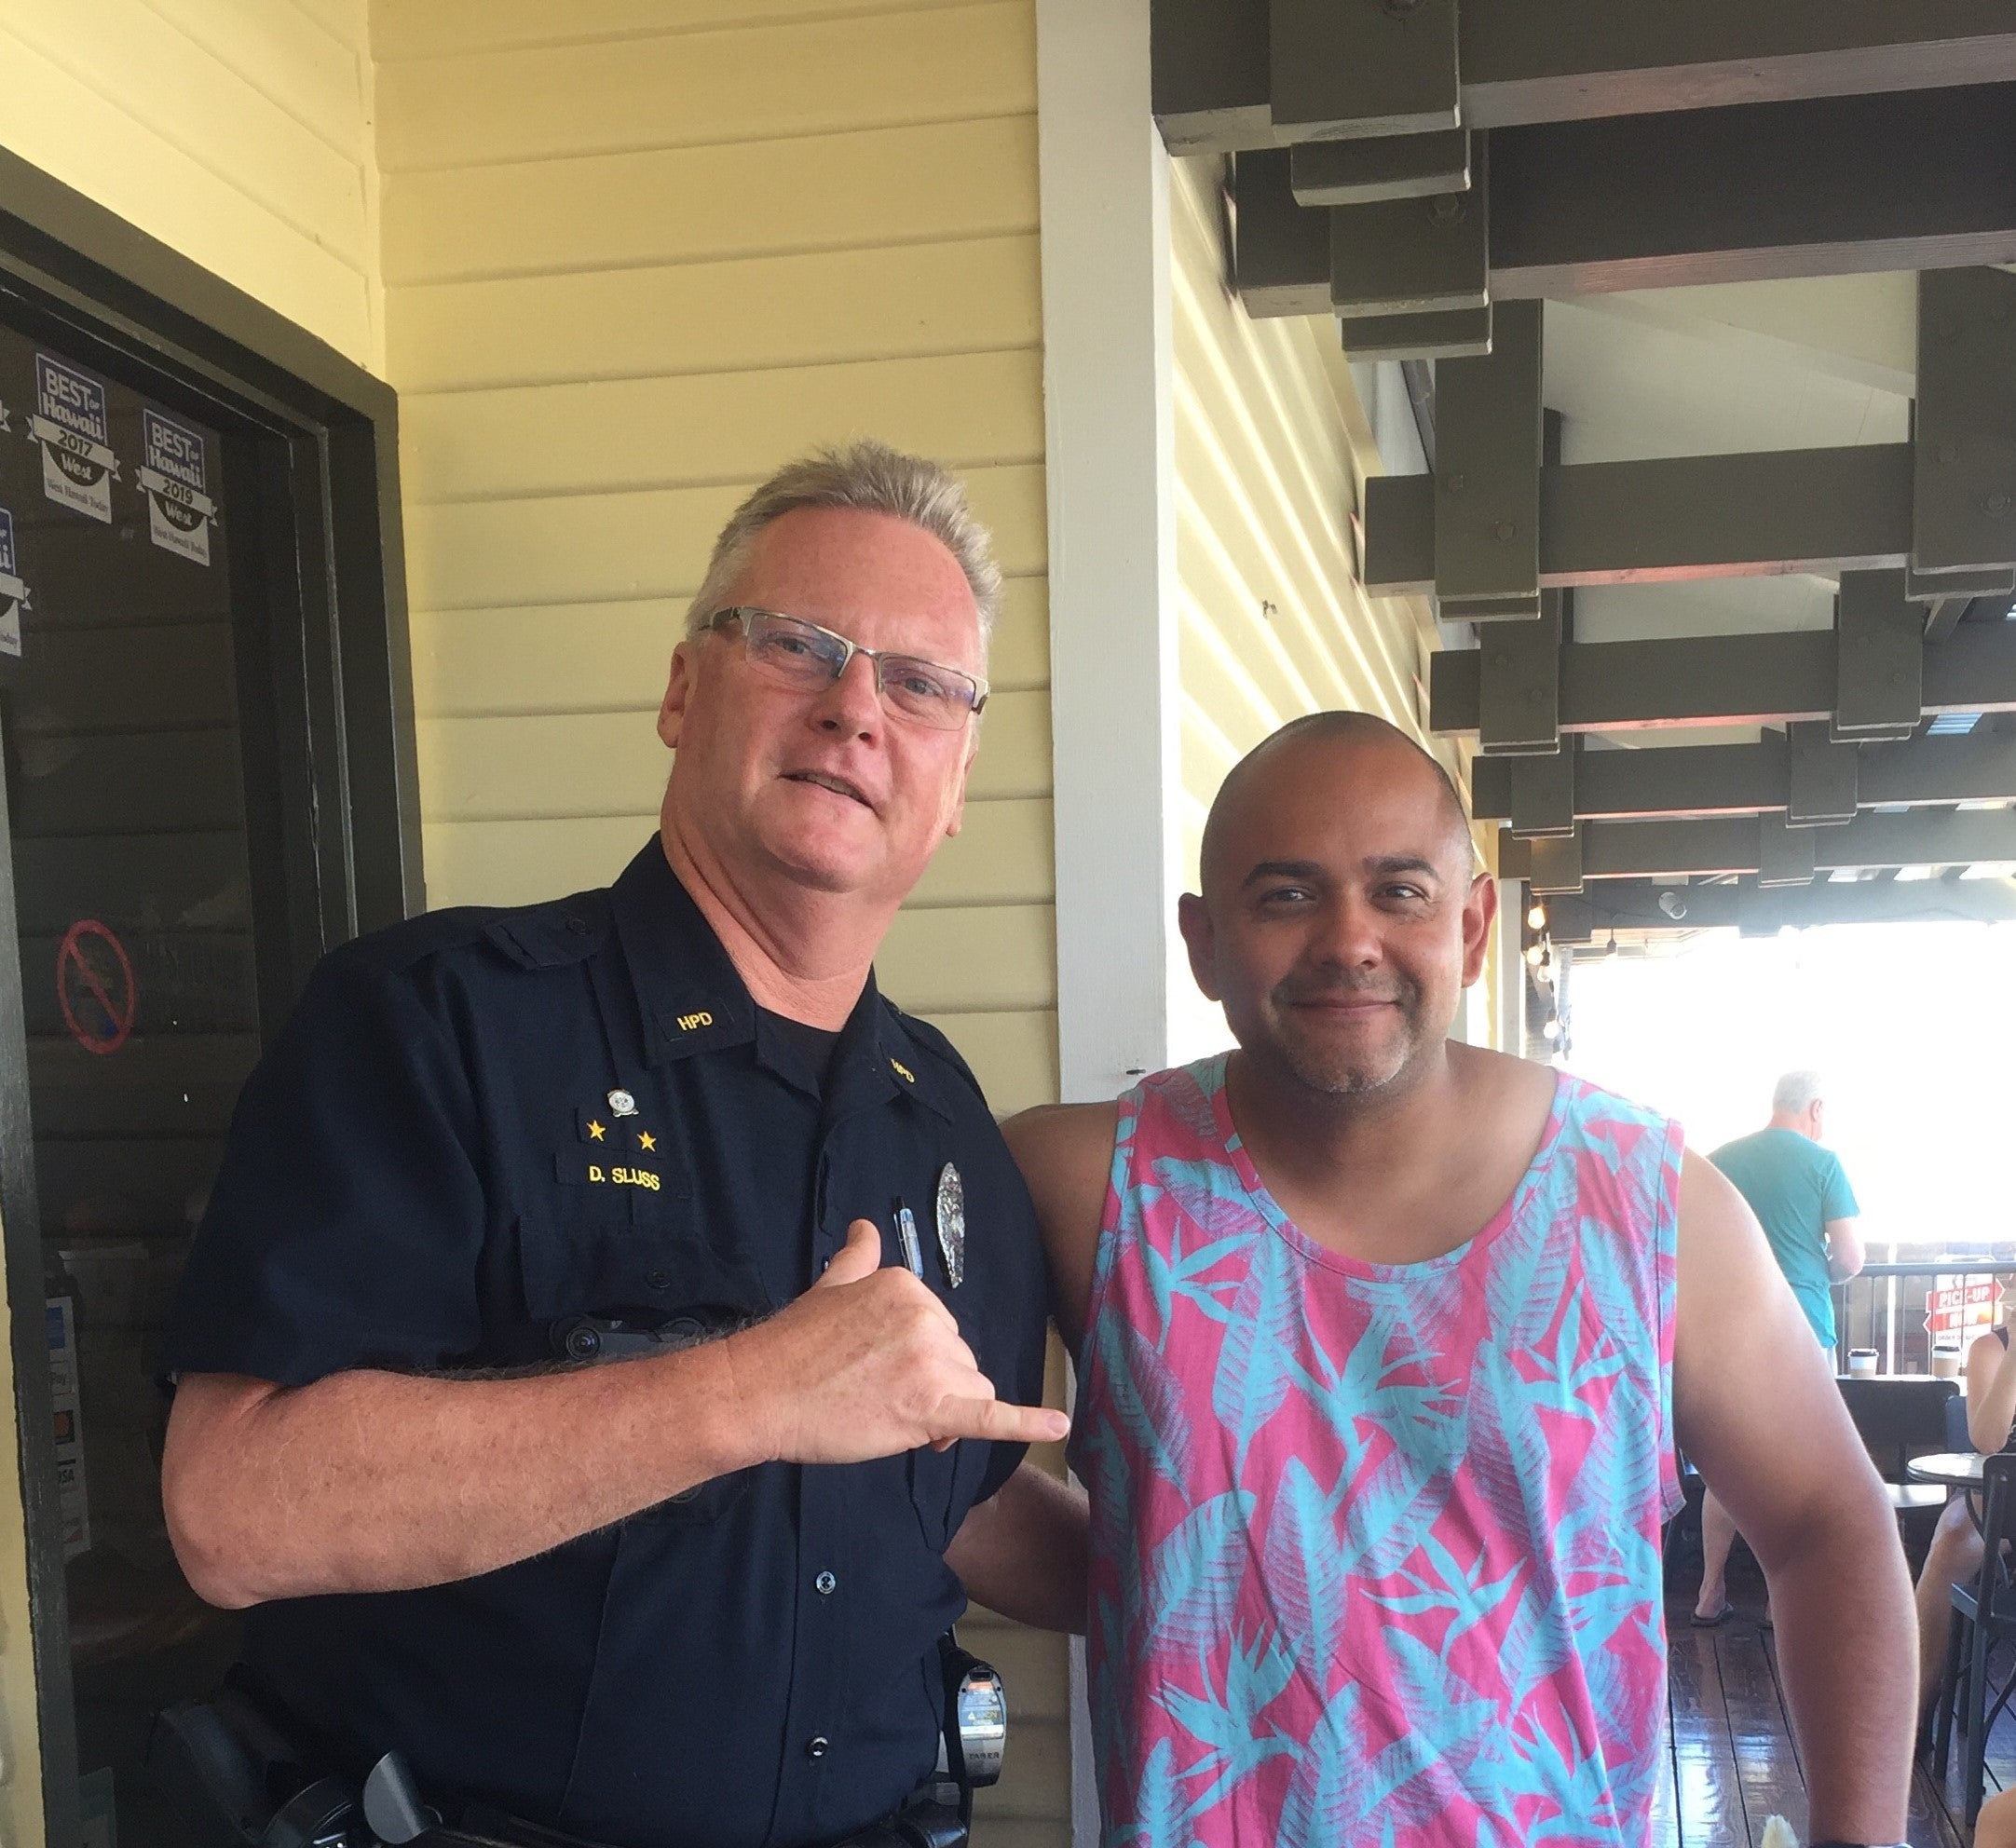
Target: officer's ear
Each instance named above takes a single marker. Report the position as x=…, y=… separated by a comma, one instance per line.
x=957, y=819
x=678, y=691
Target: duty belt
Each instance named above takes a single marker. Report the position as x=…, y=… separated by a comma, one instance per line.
x=924, y=1822
x=245, y=1783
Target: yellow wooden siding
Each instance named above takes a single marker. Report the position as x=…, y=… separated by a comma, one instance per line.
x=636, y=253
x=749, y=82
x=429, y=29
x=1271, y=622
x=237, y=131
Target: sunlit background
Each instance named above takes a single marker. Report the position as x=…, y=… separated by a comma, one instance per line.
x=1913, y=1028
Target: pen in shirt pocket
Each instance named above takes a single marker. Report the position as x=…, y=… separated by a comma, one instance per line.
x=913, y=1253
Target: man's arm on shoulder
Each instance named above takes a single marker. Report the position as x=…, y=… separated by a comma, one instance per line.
x=1023, y=1551
x=1757, y=1409
x=1065, y=1155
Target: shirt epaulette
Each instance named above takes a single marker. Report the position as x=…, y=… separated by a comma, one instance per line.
x=553, y=935
x=396, y=948
x=933, y=1044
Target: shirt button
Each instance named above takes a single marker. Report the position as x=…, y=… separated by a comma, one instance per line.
x=825, y=1584
x=578, y=926
x=659, y=1280
x=817, y=1745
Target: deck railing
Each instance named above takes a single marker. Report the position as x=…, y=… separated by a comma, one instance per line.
x=1883, y=1306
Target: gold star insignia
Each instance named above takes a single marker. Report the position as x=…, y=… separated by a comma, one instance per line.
x=596, y=1132
x=646, y=1139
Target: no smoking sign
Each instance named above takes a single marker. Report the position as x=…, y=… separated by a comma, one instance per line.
x=94, y=985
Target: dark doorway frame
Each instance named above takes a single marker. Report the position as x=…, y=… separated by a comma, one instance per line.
x=334, y=821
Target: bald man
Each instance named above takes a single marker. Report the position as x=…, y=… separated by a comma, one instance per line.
x=1383, y=1346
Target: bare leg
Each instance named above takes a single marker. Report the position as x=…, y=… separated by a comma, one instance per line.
x=1718, y=1534
x=1954, y=1557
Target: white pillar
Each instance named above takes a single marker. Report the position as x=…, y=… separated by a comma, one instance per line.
x=1107, y=385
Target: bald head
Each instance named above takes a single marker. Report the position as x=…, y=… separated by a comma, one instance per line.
x=1357, y=752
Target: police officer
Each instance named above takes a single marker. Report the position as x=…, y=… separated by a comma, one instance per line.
x=693, y=1595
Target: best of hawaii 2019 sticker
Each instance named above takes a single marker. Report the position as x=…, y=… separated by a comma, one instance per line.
x=72, y=428
x=13, y=593
x=175, y=476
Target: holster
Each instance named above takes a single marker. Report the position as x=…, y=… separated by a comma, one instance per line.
x=239, y=1780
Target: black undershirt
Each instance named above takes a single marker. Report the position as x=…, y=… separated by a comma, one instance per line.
x=815, y=1044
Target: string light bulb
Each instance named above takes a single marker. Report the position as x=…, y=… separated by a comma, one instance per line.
x=1535, y=955
x=1552, y=1031
x=1536, y=918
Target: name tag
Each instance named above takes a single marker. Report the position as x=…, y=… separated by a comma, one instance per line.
x=573, y=1171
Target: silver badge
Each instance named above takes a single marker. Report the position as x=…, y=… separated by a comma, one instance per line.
x=621, y=1103
x=952, y=1224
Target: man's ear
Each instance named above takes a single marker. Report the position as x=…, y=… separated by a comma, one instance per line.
x=678, y=691
x=1199, y=938
x=1478, y=910
x=958, y=819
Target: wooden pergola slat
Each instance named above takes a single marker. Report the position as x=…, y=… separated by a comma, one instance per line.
x=1736, y=844
x=1675, y=519
x=1521, y=61
x=1718, y=680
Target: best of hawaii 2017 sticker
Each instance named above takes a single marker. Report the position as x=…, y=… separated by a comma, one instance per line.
x=72, y=428
x=13, y=593
x=175, y=476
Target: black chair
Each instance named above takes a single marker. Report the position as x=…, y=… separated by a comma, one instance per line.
x=1899, y=1418
x=1985, y=1614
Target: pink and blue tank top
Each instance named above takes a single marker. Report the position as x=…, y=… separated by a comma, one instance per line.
x=1376, y=1552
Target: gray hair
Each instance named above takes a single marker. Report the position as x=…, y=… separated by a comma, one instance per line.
x=871, y=478
x=1795, y=1092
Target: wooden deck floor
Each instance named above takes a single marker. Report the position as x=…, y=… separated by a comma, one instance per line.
x=1733, y=1762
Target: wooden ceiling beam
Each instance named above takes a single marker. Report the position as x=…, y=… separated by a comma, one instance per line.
x=1635, y=905
x=1524, y=61
x=1674, y=519
x=1921, y=180
x=1771, y=679
x=1963, y=512
x=1710, y=779
x=1739, y=845
x=1916, y=179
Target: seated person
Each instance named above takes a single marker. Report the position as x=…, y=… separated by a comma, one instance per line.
x=1954, y=1555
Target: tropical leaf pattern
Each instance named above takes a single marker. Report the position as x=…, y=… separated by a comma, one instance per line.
x=1376, y=1548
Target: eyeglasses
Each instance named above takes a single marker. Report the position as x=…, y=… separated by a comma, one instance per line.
x=802, y=654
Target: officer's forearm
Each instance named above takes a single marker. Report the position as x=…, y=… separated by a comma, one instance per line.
x=369, y=1481
x=1023, y=1552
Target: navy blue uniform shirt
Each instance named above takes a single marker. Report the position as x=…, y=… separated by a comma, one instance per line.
x=427, y=1173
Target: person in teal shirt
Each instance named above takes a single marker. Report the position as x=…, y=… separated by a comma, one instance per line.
x=1801, y=1196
